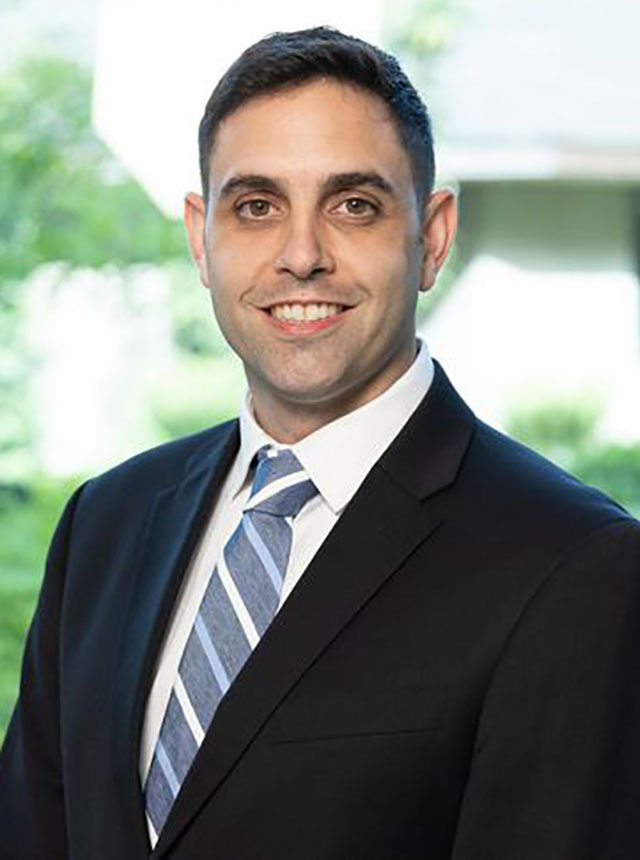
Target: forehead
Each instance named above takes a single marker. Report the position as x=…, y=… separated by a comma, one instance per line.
x=315, y=129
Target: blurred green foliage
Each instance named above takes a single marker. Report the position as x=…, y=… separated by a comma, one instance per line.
x=567, y=434
x=556, y=429
x=63, y=197
x=18, y=596
x=614, y=469
x=422, y=29
x=27, y=519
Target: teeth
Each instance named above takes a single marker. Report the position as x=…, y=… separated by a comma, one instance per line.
x=300, y=313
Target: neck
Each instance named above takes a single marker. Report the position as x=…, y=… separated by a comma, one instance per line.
x=287, y=420
x=290, y=423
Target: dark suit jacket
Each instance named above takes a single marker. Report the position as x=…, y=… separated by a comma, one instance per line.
x=456, y=675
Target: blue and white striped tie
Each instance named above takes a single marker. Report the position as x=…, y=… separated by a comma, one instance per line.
x=240, y=602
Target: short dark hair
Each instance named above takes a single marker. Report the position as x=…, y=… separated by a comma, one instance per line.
x=286, y=60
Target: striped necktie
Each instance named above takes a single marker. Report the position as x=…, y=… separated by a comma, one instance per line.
x=240, y=602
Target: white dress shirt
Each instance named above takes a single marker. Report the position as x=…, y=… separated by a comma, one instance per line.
x=337, y=458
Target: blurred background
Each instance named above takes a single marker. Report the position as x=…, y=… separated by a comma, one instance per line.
x=107, y=341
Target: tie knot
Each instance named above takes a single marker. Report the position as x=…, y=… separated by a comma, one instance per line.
x=280, y=484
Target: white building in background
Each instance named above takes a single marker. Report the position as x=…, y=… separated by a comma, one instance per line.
x=538, y=109
x=512, y=338
x=547, y=307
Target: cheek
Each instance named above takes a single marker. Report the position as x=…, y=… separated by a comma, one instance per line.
x=234, y=269
x=240, y=244
x=391, y=254
x=228, y=277
x=392, y=279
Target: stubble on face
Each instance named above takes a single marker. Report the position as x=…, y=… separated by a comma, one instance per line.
x=281, y=232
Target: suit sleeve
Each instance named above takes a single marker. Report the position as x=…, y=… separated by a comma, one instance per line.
x=32, y=812
x=555, y=773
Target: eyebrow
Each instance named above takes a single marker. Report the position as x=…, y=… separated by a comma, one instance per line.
x=356, y=179
x=335, y=182
x=248, y=182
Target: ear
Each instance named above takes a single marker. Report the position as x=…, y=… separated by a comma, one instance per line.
x=195, y=213
x=438, y=230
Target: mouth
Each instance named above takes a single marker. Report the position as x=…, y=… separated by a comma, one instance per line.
x=304, y=311
x=307, y=317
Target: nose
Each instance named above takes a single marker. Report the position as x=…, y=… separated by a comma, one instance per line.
x=304, y=252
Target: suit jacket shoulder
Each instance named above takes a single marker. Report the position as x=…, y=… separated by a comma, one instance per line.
x=524, y=496
x=129, y=487
x=162, y=465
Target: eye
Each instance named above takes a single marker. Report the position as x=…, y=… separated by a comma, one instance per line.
x=358, y=206
x=254, y=209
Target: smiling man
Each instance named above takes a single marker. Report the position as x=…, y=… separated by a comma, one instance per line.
x=314, y=245
x=356, y=622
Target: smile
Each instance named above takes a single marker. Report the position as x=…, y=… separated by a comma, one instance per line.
x=297, y=312
x=297, y=319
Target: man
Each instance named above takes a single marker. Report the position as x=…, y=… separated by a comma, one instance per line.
x=358, y=623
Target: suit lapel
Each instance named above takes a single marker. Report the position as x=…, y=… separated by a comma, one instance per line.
x=386, y=520
x=175, y=521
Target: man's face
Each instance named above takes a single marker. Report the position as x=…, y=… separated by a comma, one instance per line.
x=313, y=247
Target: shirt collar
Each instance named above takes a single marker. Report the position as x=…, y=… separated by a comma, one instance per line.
x=338, y=456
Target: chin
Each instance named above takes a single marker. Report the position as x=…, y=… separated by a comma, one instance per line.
x=307, y=391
